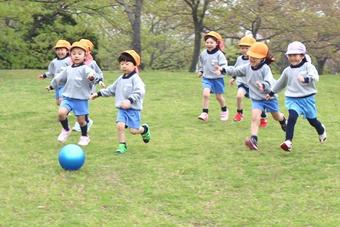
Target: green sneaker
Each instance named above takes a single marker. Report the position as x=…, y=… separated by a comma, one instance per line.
x=147, y=135
x=122, y=148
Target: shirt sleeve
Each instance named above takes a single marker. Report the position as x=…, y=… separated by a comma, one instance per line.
x=110, y=90
x=281, y=82
x=138, y=91
x=60, y=78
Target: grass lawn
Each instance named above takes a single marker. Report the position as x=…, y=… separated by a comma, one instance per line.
x=190, y=174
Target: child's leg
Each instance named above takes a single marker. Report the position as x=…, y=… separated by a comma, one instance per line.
x=292, y=118
x=278, y=116
x=122, y=148
x=205, y=101
x=62, y=115
x=255, y=121
x=239, y=97
x=317, y=125
x=83, y=124
x=224, y=115
x=220, y=99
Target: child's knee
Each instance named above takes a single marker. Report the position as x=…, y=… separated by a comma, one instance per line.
x=120, y=126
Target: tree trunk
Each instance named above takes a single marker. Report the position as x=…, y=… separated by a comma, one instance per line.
x=321, y=61
x=136, y=27
x=197, y=49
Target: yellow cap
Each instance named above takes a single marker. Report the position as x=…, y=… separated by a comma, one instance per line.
x=79, y=45
x=258, y=50
x=87, y=43
x=134, y=55
x=247, y=41
x=62, y=44
x=214, y=34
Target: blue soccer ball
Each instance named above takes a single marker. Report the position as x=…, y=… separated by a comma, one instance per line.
x=71, y=157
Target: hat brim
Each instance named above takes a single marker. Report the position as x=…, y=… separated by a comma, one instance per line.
x=255, y=55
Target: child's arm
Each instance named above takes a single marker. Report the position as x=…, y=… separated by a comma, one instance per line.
x=58, y=79
x=49, y=73
x=280, y=84
x=200, y=66
x=100, y=76
x=239, y=71
x=138, y=91
x=312, y=75
x=106, y=92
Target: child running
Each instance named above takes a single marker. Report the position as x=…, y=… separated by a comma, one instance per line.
x=99, y=78
x=300, y=79
x=260, y=81
x=59, y=63
x=79, y=79
x=242, y=87
x=210, y=62
x=129, y=91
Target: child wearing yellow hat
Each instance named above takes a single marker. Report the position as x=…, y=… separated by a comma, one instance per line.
x=260, y=80
x=61, y=61
x=99, y=75
x=210, y=60
x=129, y=91
x=79, y=80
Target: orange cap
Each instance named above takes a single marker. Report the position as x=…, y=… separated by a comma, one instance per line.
x=79, y=45
x=87, y=43
x=258, y=50
x=62, y=44
x=214, y=34
x=247, y=41
x=134, y=55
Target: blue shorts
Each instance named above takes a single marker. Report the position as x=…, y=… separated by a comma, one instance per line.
x=268, y=105
x=130, y=117
x=216, y=86
x=303, y=106
x=59, y=92
x=78, y=106
x=245, y=88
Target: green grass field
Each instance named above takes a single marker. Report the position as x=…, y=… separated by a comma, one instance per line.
x=190, y=174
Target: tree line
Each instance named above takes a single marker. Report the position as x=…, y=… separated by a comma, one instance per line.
x=168, y=34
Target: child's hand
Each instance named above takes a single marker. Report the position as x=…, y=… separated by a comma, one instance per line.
x=41, y=77
x=231, y=81
x=126, y=104
x=259, y=85
x=267, y=97
x=217, y=70
x=49, y=88
x=93, y=96
x=101, y=84
x=301, y=79
x=200, y=74
x=90, y=77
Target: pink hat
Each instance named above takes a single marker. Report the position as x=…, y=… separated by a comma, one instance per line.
x=296, y=47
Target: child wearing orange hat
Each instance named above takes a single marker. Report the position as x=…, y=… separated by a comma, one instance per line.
x=129, y=91
x=61, y=61
x=79, y=80
x=260, y=80
x=242, y=87
x=210, y=60
x=99, y=75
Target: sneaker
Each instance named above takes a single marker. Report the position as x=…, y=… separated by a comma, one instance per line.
x=63, y=135
x=89, y=124
x=84, y=140
x=122, y=148
x=146, y=136
x=203, y=116
x=224, y=115
x=238, y=117
x=263, y=122
x=251, y=143
x=286, y=145
x=76, y=127
x=323, y=136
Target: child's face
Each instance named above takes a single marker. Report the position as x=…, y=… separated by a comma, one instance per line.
x=254, y=61
x=295, y=59
x=77, y=55
x=127, y=67
x=244, y=50
x=210, y=44
x=61, y=52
